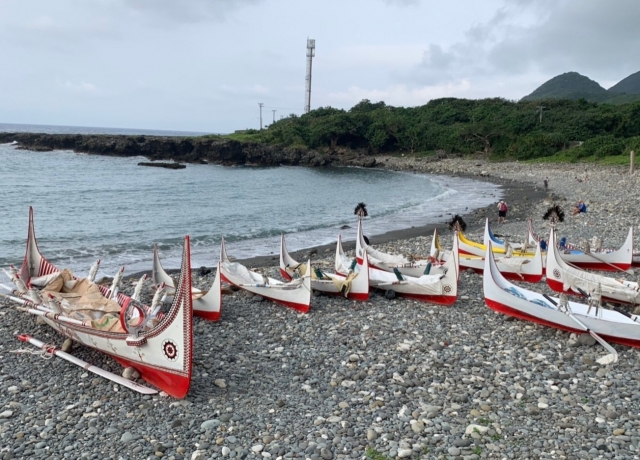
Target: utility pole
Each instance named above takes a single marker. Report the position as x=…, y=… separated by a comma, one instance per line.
x=260, y=104
x=311, y=52
x=540, y=107
x=274, y=115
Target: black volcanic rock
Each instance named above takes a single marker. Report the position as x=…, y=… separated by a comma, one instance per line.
x=204, y=149
x=163, y=165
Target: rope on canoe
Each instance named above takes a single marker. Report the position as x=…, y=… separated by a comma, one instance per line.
x=44, y=353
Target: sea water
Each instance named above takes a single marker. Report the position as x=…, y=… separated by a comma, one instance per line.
x=90, y=207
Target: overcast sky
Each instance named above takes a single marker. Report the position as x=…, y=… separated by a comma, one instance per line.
x=203, y=65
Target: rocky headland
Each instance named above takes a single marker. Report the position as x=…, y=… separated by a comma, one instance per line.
x=209, y=149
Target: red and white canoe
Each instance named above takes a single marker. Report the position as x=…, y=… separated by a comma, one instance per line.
x=388, y=262
x=604, y=259
x=162, y=354
x=295, y=294
x=562, y=277
x=206, y=304
x=608, y=260
x=500, y=244
x=356, y=287
x=439, y=288
x=528, y=269
x=502, y=296
x=474, y=248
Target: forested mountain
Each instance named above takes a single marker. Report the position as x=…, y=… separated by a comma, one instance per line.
x=630, y=85
x=570, y=85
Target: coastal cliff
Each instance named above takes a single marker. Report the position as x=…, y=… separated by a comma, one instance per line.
x=188, y=149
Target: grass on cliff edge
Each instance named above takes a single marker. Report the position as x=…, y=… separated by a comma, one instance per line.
x=567, y=157
x=258, y=137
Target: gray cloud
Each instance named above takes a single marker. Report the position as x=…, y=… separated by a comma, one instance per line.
x=588, y=36
x=595, y=38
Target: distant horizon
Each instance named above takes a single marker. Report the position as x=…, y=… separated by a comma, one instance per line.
x=4, y=127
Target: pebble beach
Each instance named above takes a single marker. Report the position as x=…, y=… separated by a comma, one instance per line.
x=382, y=379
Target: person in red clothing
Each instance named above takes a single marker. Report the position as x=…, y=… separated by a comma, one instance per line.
x=502, y=211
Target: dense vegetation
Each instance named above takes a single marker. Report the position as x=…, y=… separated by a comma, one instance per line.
x=501, y=128
x=572, y=85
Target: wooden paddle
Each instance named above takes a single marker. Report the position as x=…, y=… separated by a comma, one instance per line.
x=612, y=357
x=86, y=366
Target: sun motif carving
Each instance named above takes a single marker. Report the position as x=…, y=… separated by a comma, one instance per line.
x=170, y=350
x=447, y=288
x=556, y=273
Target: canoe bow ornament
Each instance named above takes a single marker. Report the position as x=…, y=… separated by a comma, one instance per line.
x=361, y=211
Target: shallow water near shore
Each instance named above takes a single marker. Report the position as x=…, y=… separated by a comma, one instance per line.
x=89, y=207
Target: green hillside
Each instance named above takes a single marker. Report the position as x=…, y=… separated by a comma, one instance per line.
x=570, y=85
x=630, y=85
x=622, y=99
x=493, y=127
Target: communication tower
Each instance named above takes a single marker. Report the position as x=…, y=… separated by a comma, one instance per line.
x=311, y=52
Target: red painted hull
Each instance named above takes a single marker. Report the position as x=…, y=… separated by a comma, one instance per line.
x=302, y=308
x=599, y=266
x=285, y=275
x=501, y=308
x=524, y=277
x=208, y=315
x=172, y=384
x=359, y=297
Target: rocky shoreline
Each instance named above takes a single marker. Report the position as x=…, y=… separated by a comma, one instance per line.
x=383, y=378
x=208, y=149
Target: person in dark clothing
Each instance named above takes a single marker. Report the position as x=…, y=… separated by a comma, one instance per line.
x=502, y=211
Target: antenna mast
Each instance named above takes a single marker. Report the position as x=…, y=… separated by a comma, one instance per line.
x=311, y=52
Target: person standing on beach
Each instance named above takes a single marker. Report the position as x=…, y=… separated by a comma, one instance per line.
x=546, y=183
x=502, y=211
